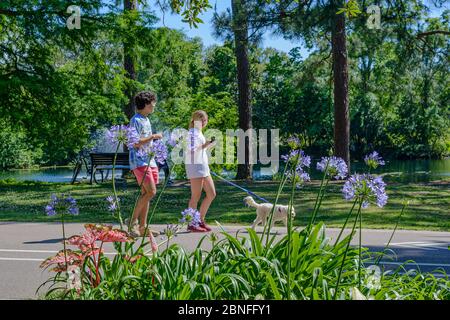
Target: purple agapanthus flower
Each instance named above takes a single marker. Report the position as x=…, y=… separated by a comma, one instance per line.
x=294, y=142
x=337, y=168
x=61, y=205
x=300, y=160
x=123, y=134
x=50, y=210
x=113, y=204
x=374, y=160
x=72, y=205
x=300, y=177
x=160, y=150
x=156, y=149
x=170, y=231
x=191, y=216
x=299, y=157
x=172, y=142
x=366, y=187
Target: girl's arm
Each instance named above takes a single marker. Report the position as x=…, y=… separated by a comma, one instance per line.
x=207, y=144
x=195, y=146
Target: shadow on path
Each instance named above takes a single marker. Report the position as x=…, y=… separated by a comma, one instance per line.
x=44, y=241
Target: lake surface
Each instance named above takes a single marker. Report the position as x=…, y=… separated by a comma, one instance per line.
x=59, y=174
x=394, y=171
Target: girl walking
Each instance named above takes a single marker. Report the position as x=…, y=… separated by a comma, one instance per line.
x=197, y=169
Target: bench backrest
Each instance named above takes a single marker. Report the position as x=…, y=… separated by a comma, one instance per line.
x=105, y=159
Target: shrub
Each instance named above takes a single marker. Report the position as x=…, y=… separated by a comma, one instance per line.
x=15, y=151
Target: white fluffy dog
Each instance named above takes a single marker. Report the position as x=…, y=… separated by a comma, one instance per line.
x=263, y=211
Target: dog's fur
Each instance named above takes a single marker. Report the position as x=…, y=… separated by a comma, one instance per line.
x=263, y=211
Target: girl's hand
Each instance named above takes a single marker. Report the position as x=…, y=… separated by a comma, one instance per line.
x=157, y=136
x=210, y=143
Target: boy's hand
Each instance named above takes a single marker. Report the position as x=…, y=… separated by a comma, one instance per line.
x=157, y=136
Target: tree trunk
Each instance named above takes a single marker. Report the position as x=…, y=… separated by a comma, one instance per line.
x=240, y=29
x=130, y=69
x=340, y=79
x=129, y=64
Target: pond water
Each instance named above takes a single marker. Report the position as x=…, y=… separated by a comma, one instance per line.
x=394, y=171
x=403, y=171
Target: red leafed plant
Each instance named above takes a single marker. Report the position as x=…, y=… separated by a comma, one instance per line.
x=88, y=251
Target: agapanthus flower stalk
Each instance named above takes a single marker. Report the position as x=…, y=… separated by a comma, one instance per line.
x=62, y=205
x=153, y=243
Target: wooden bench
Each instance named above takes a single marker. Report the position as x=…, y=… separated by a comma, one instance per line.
x=104, y=161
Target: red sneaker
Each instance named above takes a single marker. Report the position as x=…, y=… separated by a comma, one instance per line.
x=196, y=229
x=205, y=226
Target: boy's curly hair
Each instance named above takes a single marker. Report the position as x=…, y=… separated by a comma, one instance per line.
x=143, y=98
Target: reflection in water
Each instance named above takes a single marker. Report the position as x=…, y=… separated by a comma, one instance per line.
x=394, y=171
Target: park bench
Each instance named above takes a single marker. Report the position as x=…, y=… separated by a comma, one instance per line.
x=98, y=163
x=101, y=162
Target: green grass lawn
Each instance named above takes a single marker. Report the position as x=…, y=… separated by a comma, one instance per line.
x=428, y=209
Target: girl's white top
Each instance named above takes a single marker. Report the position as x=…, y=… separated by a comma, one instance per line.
x=196, y=158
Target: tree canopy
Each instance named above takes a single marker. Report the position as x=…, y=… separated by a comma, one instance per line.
x=57, y=86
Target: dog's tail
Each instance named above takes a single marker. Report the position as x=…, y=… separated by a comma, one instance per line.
x=250, y=202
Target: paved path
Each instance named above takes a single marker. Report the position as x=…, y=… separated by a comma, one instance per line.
x=23, y=246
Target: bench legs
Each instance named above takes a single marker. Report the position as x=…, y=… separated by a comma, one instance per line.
x=92, y=173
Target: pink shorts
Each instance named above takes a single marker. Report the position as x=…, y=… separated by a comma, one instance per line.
x=151, y=174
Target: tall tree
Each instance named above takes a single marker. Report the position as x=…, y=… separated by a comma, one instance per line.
x=240, y=30
x=340, y=80
x=242, y=25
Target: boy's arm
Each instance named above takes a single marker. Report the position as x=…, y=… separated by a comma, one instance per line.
x=151, y=137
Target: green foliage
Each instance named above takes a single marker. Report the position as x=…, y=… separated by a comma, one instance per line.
x=245, y=268
x=350, y=9
x=398, y=86
x=307, y=104
x=58, y=86
x=220, y=70
x=190, y=10
x=15, y=151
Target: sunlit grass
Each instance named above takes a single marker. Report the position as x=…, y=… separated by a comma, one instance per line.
x=428, y=209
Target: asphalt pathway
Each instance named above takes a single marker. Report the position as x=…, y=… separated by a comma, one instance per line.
x=23, y=246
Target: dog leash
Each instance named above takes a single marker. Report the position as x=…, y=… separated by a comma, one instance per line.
x=239, y=187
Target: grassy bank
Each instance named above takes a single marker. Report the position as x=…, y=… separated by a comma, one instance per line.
x=428, y=209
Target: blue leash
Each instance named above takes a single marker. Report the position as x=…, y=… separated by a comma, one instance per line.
x=239, y=187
